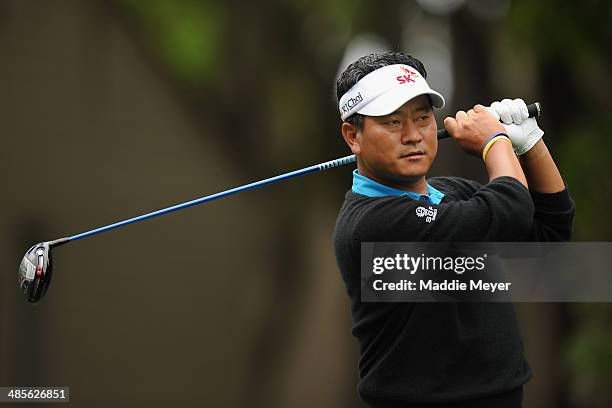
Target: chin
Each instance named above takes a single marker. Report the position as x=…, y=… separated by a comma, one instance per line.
x=415, y=171
x=404, y=176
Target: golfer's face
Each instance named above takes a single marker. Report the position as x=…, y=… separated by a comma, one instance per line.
x=401, y=146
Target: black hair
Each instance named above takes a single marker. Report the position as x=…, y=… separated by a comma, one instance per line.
x=366, y=64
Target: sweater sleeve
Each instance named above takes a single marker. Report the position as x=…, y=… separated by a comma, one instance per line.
x=553, y=218
x=501, y=210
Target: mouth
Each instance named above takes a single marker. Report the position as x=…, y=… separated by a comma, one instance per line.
x=414, y=155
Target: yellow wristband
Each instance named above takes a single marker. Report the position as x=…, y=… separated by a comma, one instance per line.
x=492, y=140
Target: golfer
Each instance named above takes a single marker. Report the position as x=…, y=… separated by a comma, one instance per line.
x=438, y=354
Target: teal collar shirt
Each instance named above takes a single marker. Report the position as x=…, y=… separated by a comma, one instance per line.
x=368, y=187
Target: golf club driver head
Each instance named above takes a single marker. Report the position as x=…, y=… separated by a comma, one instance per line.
x=35, y=271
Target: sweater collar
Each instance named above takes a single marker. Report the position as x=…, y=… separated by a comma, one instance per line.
x=368, y=187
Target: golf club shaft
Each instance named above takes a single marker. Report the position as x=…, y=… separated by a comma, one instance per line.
x=534, y=110
x=311, y=169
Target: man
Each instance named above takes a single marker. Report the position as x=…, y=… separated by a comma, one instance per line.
x=438, y=354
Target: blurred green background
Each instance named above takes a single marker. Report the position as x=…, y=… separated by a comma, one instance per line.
x=115, y=108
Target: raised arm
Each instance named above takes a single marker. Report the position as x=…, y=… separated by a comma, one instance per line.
x=554, y=208
x=540, y=169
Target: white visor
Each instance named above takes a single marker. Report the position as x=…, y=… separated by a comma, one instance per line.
x=383, y=91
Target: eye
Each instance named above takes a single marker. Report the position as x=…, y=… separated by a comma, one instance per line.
x=393, y=122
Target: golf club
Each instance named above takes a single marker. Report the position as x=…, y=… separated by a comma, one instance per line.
x=36, y=267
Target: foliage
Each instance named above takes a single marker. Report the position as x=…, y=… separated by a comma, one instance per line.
x=187, y=34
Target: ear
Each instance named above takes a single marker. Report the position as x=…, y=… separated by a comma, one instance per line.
x=351, y=136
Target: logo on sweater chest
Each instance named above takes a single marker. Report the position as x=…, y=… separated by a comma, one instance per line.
x=429, y=213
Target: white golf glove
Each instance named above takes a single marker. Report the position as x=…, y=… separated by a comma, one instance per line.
x=522, y=130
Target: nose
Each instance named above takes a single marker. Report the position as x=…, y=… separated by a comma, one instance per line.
x=410, y=135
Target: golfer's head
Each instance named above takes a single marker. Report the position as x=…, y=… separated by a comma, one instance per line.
x=386, y=106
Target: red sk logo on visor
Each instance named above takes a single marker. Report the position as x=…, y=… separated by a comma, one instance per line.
x=407, y=77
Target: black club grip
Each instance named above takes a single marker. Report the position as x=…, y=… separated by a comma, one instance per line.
x=534, y=109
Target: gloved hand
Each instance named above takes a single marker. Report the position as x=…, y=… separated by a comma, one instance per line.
x=522, y=130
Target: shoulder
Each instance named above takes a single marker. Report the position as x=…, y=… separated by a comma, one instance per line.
x=359, y=213
x=366, y=218
x=358, y=208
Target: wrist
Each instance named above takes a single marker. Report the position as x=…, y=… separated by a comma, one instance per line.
x=535, y=153
x=501, y=161
x=492, y=140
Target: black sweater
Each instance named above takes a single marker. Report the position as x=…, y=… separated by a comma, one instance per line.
x=442, y=352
